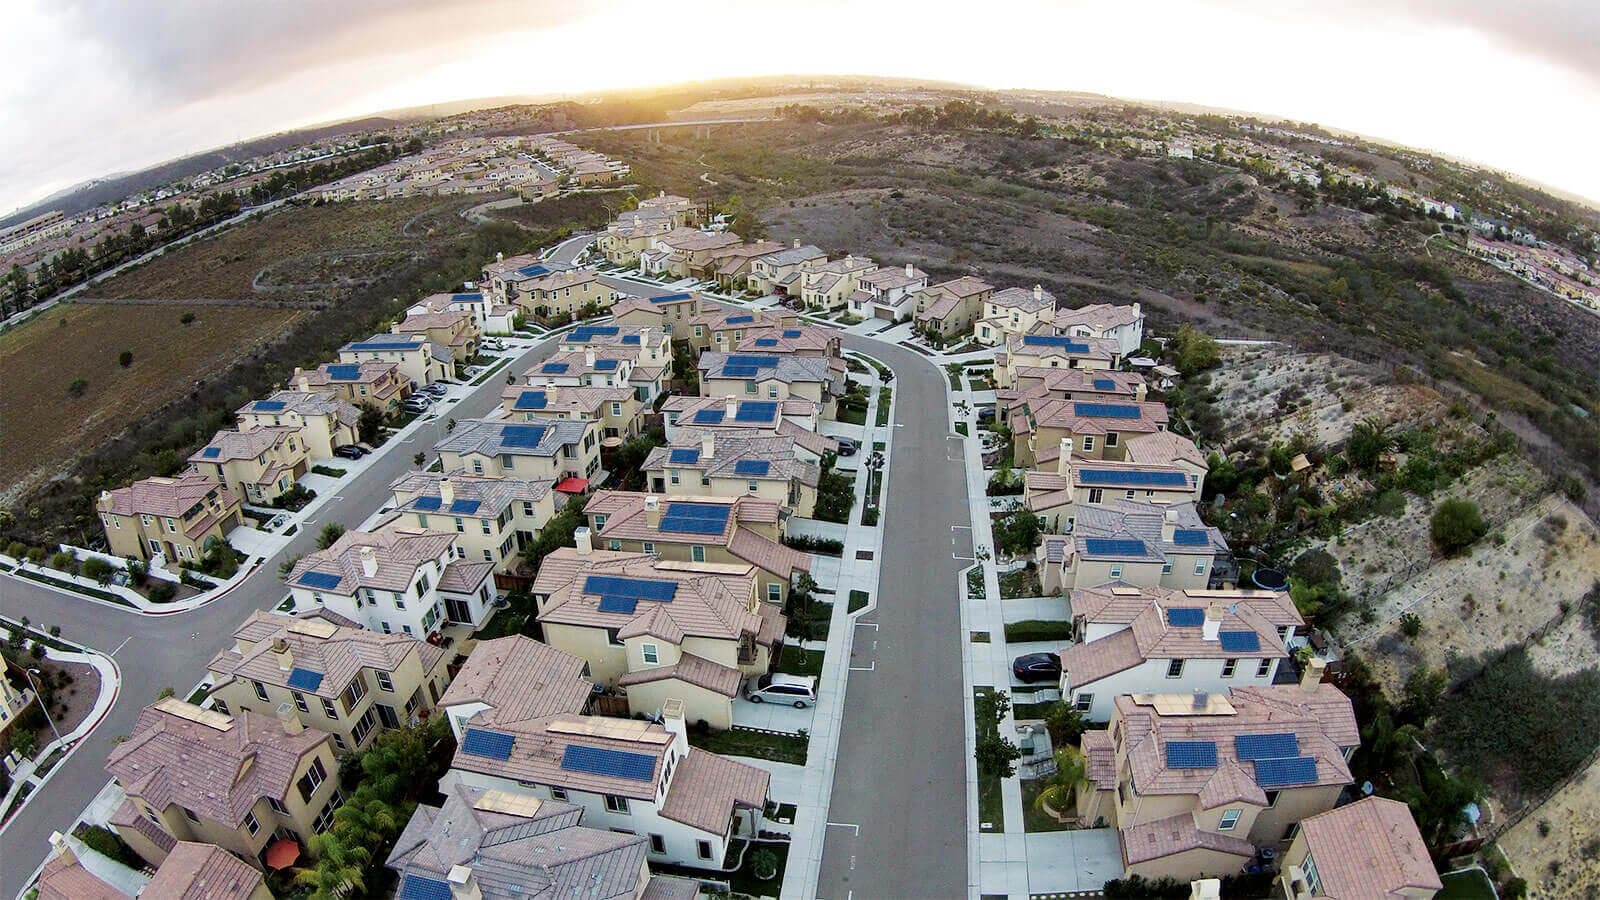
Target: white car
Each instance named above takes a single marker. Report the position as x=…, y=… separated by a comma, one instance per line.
x=800, y=691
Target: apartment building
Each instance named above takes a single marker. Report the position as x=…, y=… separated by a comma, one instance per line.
x=888, y=293
x=396, y=580
x=494, y=519
x=378, y=384
x=1087, y=429
x=772, y=377
x=951, y=308
x=779, y=273
x=282, y=781
x=324, y=420
x=1134, y=542
x=458, y=332
x=535, y=449
x=659, y=630
x=829, y=284
x=700, y=529
x=1195, y=783
x=1151, y=641
x=341, y=679
x=794, y=418
x=420, y=360
x=702, y=462
x=1041, y=349
x=1013, y=312
x=1371, y=848
x=1120, y=323
x=174, y=518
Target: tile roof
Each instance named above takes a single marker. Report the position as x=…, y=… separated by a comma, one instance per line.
x=492, y=437
x=229, y=445
x=204, y=872
x=1371, y=848
x=1038, y=383
x=336, y=653
x=1177, y=834
x=127, y=815
x=167, y=496
x=490, y=494
x=1024, y=299
x=181, y=754
x=691, y=669
x=520, y=679
x=1043, y=343
x=539, y=746
x=794, y=256
x=399, y=552
x=707, y=788
x=1163, y=448
x=788, y=339
x=728, y=452
x=1152, y=635
x=1121, y=605
x=1088, y=417
x=786, y=368
x=366, y=372
x=586, y=401
x=63, y=880
x=314, y=403
x=1099, y=316
x=1100, y=758
x=692, y=240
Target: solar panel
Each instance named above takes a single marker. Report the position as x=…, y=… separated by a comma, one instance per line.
x=1106, y=410
x=416, y=887
x=669, y=298
x=1109, y=547
x=740, y=371
x=465, y=507
x=740, y=320
x=792, y=333
x=752, y=467
x=694, y=518
x=405, y=343
x=1104, y=384
x=590, y=332
x=553, y=368
x=1191, y=537
x=637, y=588
x=319, y=580
x=1240, y=641
x=624, y=605
x=344, y=372
x=466, y=296
x=522, y=435
x=532, y=400
x=684, y=457
x=630, y=339
x=760, y=362
x=211, y=452
x=1191, y=754
x=756, y=411
x=1186, y=617
x=604, y=761
x=269, y=405
x=533, y=271
x=485, y=743
x=1051, y=340
x=1266, y=746
x=1285, y=772
x=605, y=365
x=1132, y=477
x=708, y=417
x=304, y=679
x=766, y=342
x=426, y=504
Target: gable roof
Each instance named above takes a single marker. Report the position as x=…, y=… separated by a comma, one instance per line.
x=1371, y=848
x=520, y=679
x=398, y=552
x=333, y=654
x=203, y=872
x=626, y=519
x=531, y=437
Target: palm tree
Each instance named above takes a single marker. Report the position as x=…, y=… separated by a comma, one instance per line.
x=1072, y=770
x=339, y=869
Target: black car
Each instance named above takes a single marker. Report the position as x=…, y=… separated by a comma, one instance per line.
x=847, y=447
x=349, y=451
x=986, y=414
x=1031, y=667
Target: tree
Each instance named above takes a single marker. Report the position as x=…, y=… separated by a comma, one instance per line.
x=370, y=423
x=1065, y=723
x=98, y=569
x=125, y=358
x=25, y=741
x=556, y=533
x=340, y=867
x=330, y=533
x=1057, y=791
x=1456, y=525
x=996, y=754
x=1193, y=351
x=1369, y=440
x=1423, y=690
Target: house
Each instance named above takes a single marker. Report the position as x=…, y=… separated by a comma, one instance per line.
x=669, y=312
x=792, y=340
x=1036, y=384
x=1165, y=448
x=513, y=679
x=795, y=418
x=489, y=315
x=1196, y=783
x=617, y=409
x=236, y=781
x=14, y=696
x=1121, y=323
x=1371, y=848
x=689, y=251
x=772, y=377
x=1040, y=349
x=681, y=209
x=499, y=278
x=174, y=518
x=1086, y=429
x=395, y=579
x=626, y=775
x=497, y=845
x=1134, y=542
x=377, y=384
x=324, y=419
x=535, y=448
x=1057, y=496
x=1143, y=641
x=633, y=232
x=700, y=529
x=888, y=293
x=600, y=367
x=1013, y=312
x=343, y=680
x=494, y=519
x=659, y=629
x=563, y=296
x=700, y=461
x=258, y=465
x=829, y=284
x=731, y=266
x=779, y=273
x=191, y=871
x=419, y=359
x=719, y=326
x=951, y=308
x=458, y=332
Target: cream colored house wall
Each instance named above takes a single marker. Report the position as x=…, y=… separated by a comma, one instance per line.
x=1093, y=573
x=699, y=704
x=1294, y=804
x=129, y=536
x=607, y=661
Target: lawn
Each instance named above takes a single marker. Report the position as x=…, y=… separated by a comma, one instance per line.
x=796, y=661
x=885, y=394
x=858, y=600
x=961, y=429
x=991, y=810
x=1037, y=630
x=41, y=360
x=1034, y=819
x=850, y=414
x=1467, y=884
x=786, y=748
x=1023, y=582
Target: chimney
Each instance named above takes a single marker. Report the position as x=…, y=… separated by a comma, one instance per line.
x=462, y=885
x=1315, y=667
x=708, y=445
x=1064, y=462
x=1201, y=701
x=588, y=357
x=582, y=540
x=732, y=405
x=289, y=719
x=1038, y=292
x=797, y=243
x=1169, y=525
x=1136, y=312
x=447, y=491
x=849, y=261
x=1212, y=629
x=280, y=652
x=369, y=562
x=652, y=511
x=1205, y=889
x=672, y=721
x=1140, y=390
x=62, y=848
x=303, y=383
x=499, y=257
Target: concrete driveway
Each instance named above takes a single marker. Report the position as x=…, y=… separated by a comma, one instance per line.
x=771, y=716
x=1064, y=861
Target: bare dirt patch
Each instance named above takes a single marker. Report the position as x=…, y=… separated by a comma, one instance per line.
x=1563, y=831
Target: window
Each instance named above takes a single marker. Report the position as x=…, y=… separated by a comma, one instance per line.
x=1175, y=668
x=772, y=392
x=1200, y=567
x=616, y=544
x=261, y=690
x=250, y=823
x=697, y=552
x=616, y=804
x=1166, y=567
x=220, y=707
x=1272, y=799
x=1096, y=495
x=385, y=682
x=1111, y=439
x=325, y=818
x=363, y=727
x=1228, y=665
x=300, y=702
x=1116, y=571
x=774, y=593
x=1088, y=442
x=1230, y=818
x=1128, y=494
x=328, y=709
x=652, y=653
x=1082, y=702
x=752, y=485
x=1264, y=668
x=277, y=806
x=750, y=387
x=189, y=814
x=649, y=546
x=311, y=780
x=616, y=408
x=558, y=793
x=703, y=849
x=612, y=639
x=488, y=555
x=658, y=844
x=484, y=524
x=673, y=474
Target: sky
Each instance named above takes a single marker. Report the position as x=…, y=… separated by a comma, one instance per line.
x=96, y=87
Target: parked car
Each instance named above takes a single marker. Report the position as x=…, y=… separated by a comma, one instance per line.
x=1031, y=667
x=986, y=414
x=437, y=389
x=798, y=690
x=847, y=447
x=349, y=451
x=417, y=403
x=493, y=345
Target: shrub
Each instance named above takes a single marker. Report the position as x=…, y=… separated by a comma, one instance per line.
x=162, y=591
x=1038, y=630
x=98, y=569
x=106, y=842
x=764, y=865
x=1410, y=624
x=77, y=387
x=125, y=358
x=330, y=533
x=64, y=561
x=1456, y=525
x=996, y=755
x=16, y=550
x=824, y=546
x=186, y=319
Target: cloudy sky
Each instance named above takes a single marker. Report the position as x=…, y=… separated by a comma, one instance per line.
x=93, y=87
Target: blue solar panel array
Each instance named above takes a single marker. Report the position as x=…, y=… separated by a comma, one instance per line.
x=1266, y=746
x=766, y=342
x=1186, y=618
x=708, y=417
x=553, y=368
x=1110, y=547
x=605, y=365
x=304, y=679
x=590, y=332
x=426, y=504
x=740, y=371
x=756, y=411
x=752, y=467
x=695, y=518
x=1051, y=340
x=1240, y=641
x=416, y=887
x=604, y=761
x=533, y=271
x=630, y=339
x=1106, y=410
x=269, y=406
x=1191, y=537
x=637, y=588
x=624, y=605
x=1191, y=754
x=684, y=457
x=532, y=400
x=522, y=435
x=669, y=298
x=759, y=362
x=344, y=372
x=1132, y=477
x=465, y=507
x=1104, y=384
x=465, y=297
x=319, y=580
x=791, y=333
x=488, y=744
x=398, y=343
x=1272, y=773
x=740, y=320
x=211, y=452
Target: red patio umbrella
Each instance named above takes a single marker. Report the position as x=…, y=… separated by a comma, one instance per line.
x=283, y=853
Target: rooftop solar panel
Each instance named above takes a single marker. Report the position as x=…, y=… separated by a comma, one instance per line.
x=344, y=372
x=637, y=588
x=1109, y=547
x=1104, y=384
x=533, y=271
x=304, y=679
x=1266, y=746
x=752, y=467
x=553, y=368
x=1191, y=537
x=318, y=580
x=740, y=320
x=605, y=761
x=1051, y=340
x=488, y=744
x=684, y=457
x=465, y=507
x=426, y=504
x=694, y=518
x=766, y=342
x=740, y=371
x=760, y=362
x=756, y=411
x=269, y=405
x=708, y=417
x=211, y=452
x=1133, y=477
x=1191, y=754
x=532, y=400
x=669, y=298
x=416, y=887
x=1186, y=617
x=1286, y=772
x=522, y=435
x=630, y=339
x=792, y=333
x=1106, y=410
x=1240, y=641
x=624, y=605
x=605, y=365
x=466, y=297
x=405, y=343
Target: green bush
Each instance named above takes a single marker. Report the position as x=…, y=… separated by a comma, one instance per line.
x=106, y=842
x=162, y=591
x=1456, y=525
x=98, y=569
x=1038, y=630
x=64, y=561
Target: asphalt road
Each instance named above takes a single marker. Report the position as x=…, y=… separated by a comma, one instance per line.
x=898, y=817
